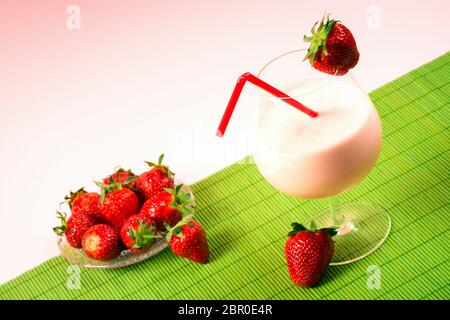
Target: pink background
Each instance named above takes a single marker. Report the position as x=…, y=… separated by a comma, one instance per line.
x=144, y=77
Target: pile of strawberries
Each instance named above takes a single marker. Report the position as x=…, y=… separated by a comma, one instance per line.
x=130, y=212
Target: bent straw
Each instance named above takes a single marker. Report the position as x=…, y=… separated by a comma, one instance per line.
x=263, y=85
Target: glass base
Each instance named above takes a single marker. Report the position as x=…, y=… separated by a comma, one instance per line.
x=362, y=229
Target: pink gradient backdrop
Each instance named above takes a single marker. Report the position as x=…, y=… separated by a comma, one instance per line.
x=144, y=77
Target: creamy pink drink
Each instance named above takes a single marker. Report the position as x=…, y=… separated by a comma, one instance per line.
x=323, y=156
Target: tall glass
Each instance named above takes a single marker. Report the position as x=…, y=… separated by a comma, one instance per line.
x=322, y=157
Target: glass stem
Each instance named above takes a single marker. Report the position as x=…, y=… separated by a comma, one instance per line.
x=336, y=211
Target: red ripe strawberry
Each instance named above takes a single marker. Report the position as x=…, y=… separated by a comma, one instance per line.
x=138, y=233
x=117, y=203
x=333, y=49
x=151, y=182
x=308, y=254
x=84, y=203
x=101, y=242
x=166, y=207
x=124, y=176
x=75, y=227
x=188, y=239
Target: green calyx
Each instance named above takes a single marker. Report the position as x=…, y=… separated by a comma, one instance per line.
x=180, y=199
x=144, y=235
x=159, y=165
x=73, y=195
x=318, y=37
x=177, y=228
x=113, y=185
x=297, y=227
x=122, y=170
x=59, y=230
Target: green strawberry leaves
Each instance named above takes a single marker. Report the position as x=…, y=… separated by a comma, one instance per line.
x=114, y=185
x=297, y=227
x=160, y=165
x=59, y=230
x=72, y=195
x=177, y=229
x=129, y=180
x=318, y=37
x=160, y=159
x=103, y=187
x=331, y=231
x=180, y=199
x=144, y=236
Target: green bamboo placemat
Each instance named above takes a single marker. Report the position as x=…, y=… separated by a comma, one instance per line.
x=247, y=221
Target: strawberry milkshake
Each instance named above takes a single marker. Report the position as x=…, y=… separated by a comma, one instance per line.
x=318, y=157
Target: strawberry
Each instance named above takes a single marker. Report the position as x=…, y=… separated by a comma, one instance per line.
x=75, y=227
x=188, y=239
x=101, y=242
x=84, y=203
x=308, y=254
x=333, y=49
x=166, y=207
x=138, y=233
x=121, y=175
x=155, y=180
x=117, y=203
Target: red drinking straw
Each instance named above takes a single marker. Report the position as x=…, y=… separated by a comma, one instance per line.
x=263, y=85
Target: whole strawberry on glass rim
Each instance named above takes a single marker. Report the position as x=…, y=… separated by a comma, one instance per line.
x=308, y=253
x=332, y=47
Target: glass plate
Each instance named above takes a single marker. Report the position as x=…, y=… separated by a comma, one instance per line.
x=125, y=258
